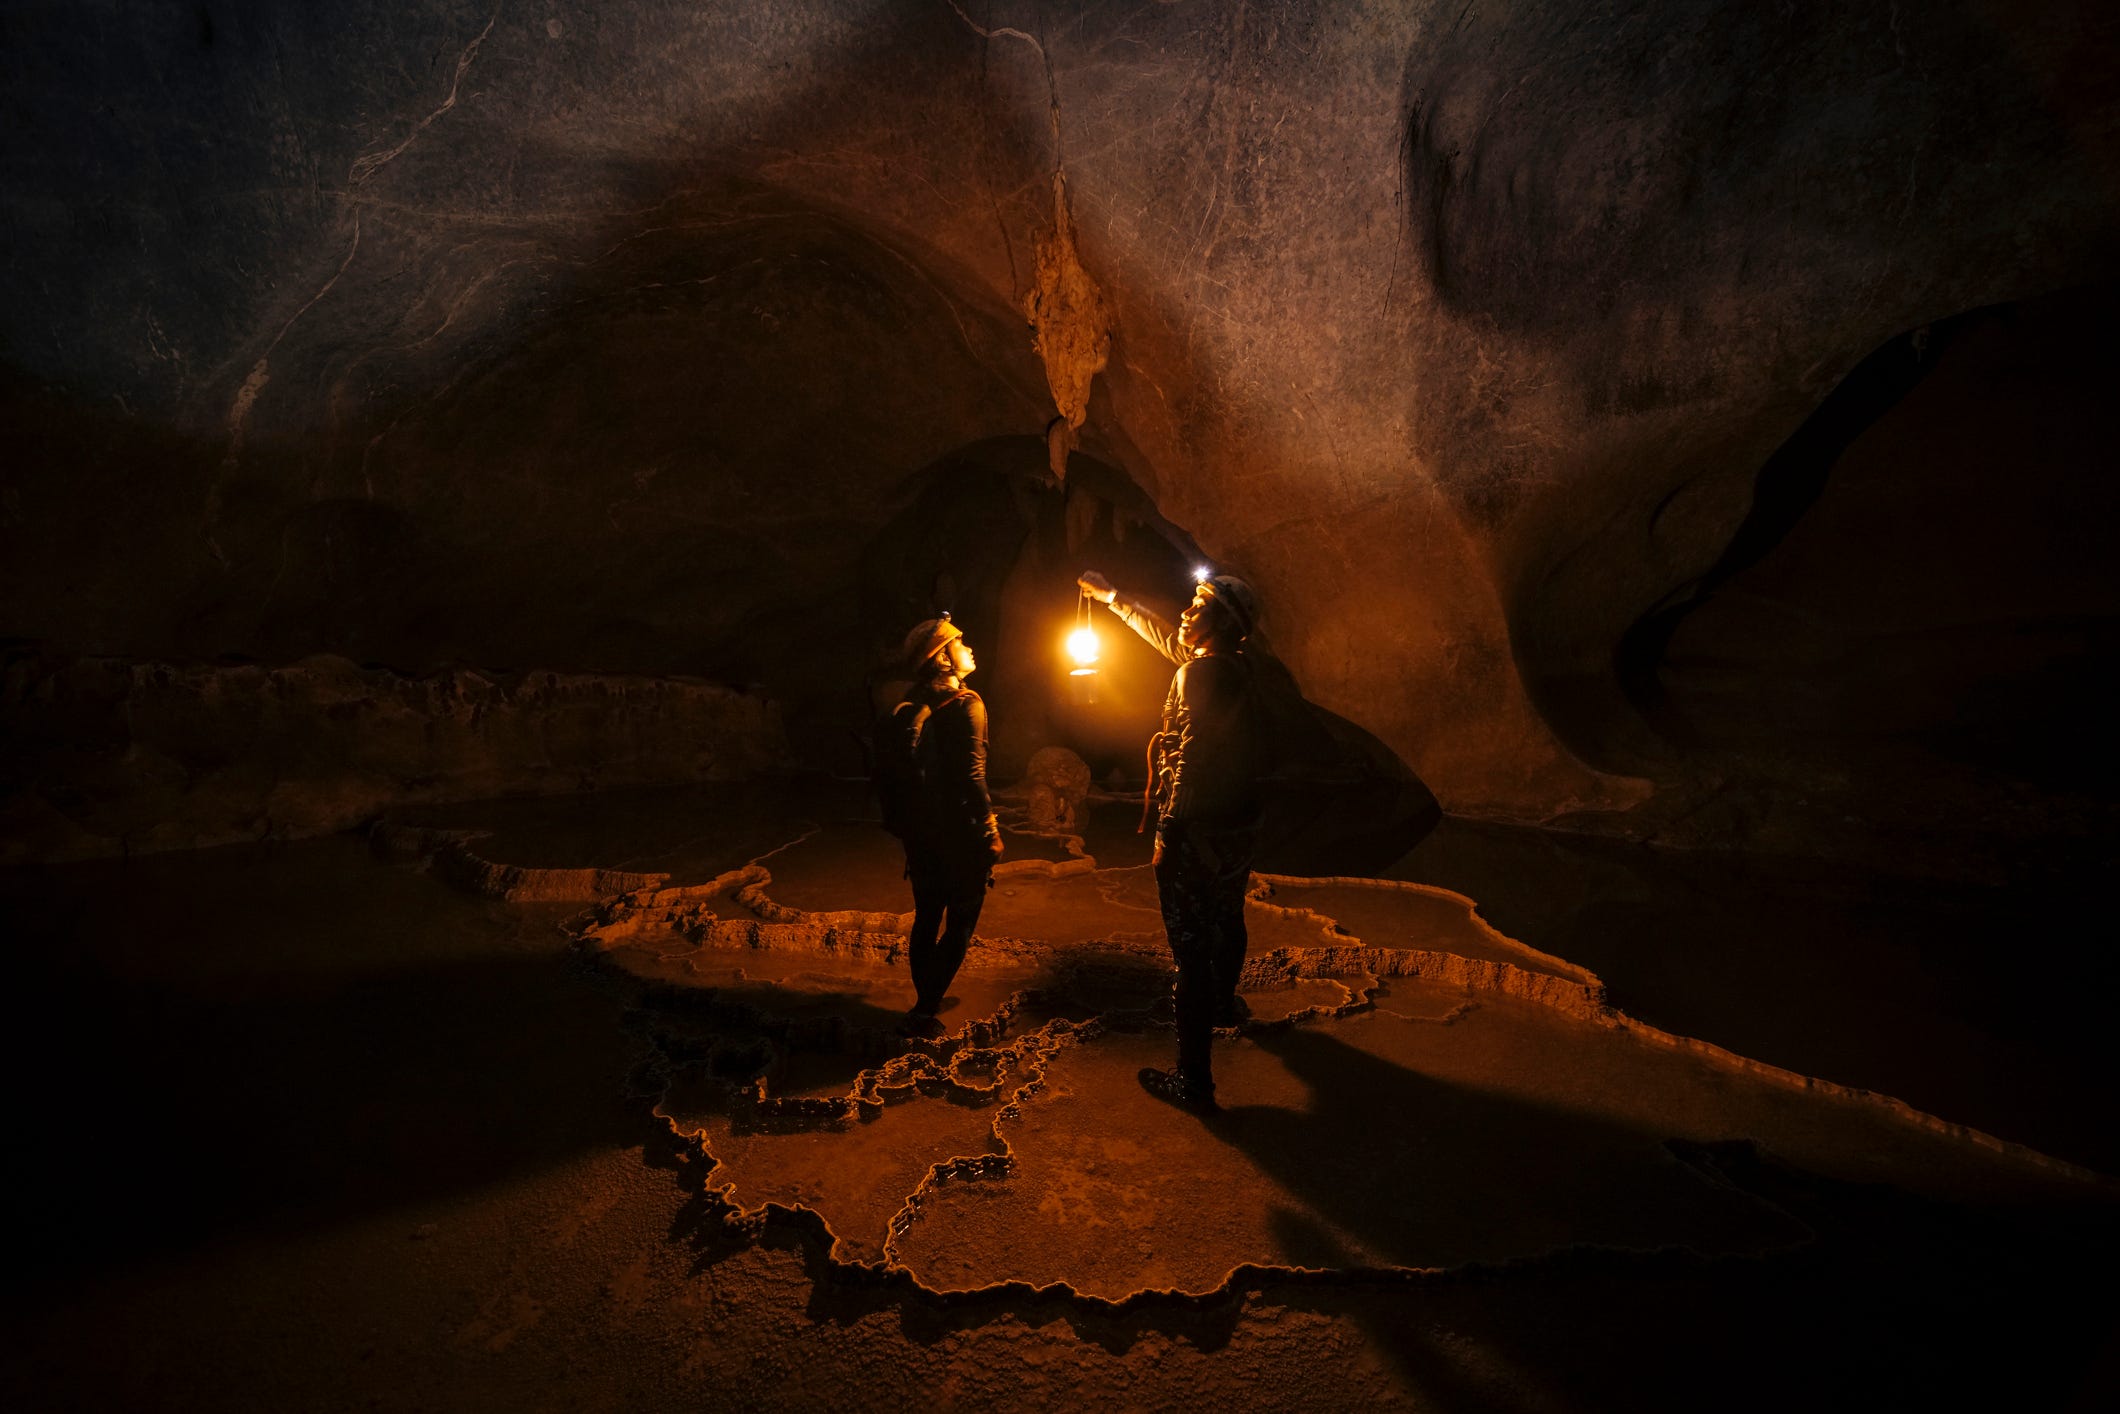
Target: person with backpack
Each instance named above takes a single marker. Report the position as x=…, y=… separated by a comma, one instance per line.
x=931, y=781
x=1203, y=788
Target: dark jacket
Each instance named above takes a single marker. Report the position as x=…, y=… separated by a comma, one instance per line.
x=1208, y=756
x=954, y=810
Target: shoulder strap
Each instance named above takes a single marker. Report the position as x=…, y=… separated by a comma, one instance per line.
x=922, y=739
x=909, y=721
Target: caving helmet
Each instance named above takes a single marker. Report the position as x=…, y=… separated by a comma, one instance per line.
x=928, y=638
x=1237, y=598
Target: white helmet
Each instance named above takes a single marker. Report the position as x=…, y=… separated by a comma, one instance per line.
x=1237, y=597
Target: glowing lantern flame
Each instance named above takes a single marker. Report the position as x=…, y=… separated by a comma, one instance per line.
x=1082, y=646
x=1200, y=575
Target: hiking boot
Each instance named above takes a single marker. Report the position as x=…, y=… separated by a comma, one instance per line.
x=1173, y=1088
x=1235, y=1014
x=923, y=1025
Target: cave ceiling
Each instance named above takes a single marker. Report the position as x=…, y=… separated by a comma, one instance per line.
x=605, y=338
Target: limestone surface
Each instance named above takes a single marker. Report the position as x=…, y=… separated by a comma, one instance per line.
x=411, y=1144
x=1413, y=1091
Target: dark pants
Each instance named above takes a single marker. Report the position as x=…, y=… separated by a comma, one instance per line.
x=1200, y=883
x=949, y=889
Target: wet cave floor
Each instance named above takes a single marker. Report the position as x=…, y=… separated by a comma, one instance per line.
x=409, y=1121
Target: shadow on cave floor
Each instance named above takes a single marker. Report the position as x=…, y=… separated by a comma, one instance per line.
x=1987, y=1003
x=259, y=1042
x=1578, y=1166
x=1402, y=1139
x=1900, y=1303
x=1980, y=1003
x=315, y=1062
x=248, y=1042
x=1898, y=1275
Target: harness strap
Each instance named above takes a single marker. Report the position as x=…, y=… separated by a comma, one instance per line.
x=1155, y=774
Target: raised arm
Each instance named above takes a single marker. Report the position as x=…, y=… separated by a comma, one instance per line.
x=1154, y=629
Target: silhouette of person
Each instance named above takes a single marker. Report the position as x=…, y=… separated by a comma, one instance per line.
x=931, y=775
x=1203, y=787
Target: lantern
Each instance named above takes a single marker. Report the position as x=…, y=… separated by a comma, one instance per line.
x=1083, y=649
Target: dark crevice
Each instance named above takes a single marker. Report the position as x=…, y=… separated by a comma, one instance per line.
x=1788, y=485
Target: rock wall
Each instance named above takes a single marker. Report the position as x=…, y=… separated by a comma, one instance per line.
x=105, y=757
x=601, y=338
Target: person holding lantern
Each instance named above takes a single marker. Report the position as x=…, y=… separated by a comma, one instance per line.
x=1204, y=766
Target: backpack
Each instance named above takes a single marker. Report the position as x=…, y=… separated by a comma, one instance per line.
x=899, y=770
